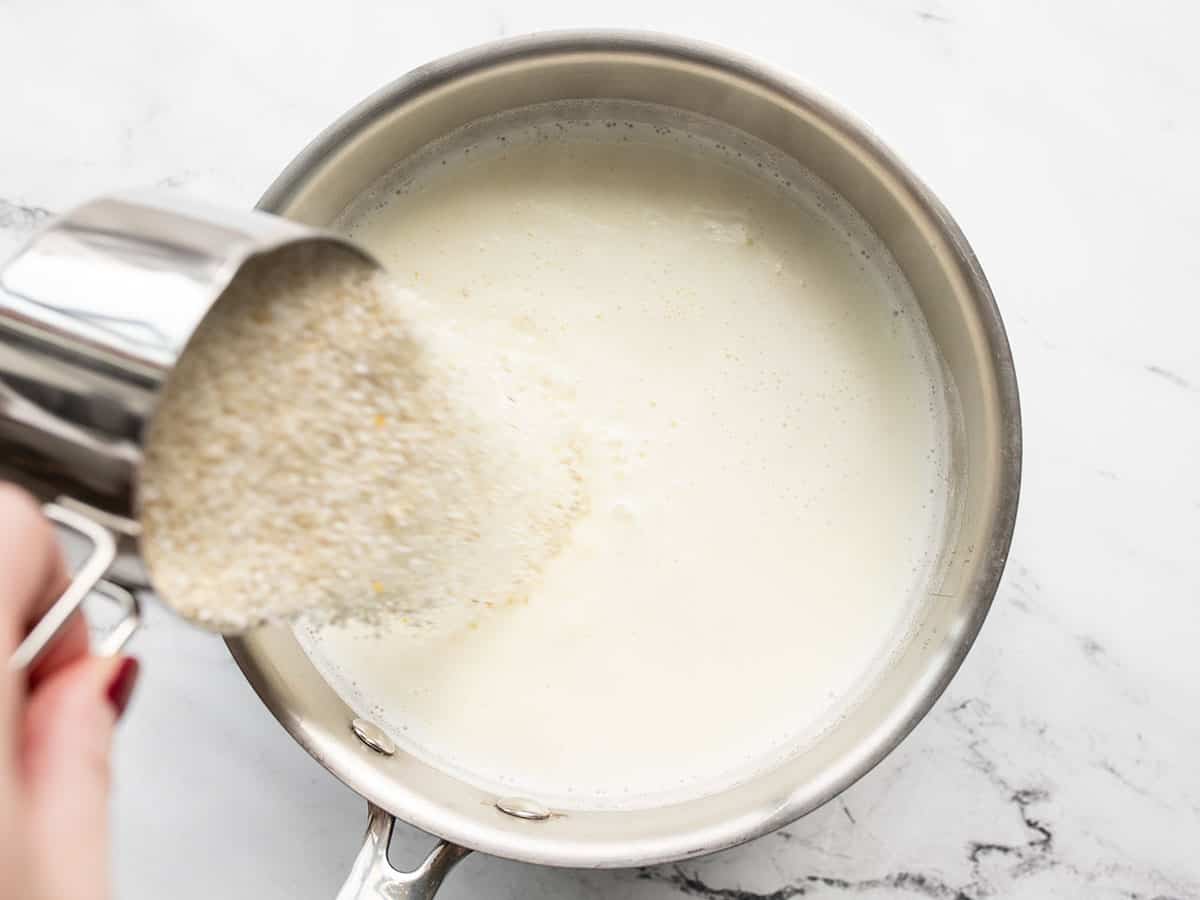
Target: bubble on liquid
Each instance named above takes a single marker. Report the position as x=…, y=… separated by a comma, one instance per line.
x=624, y=511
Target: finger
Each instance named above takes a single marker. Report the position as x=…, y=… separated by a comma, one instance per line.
x=70, y=644
x=31, y=563
x=24, y=531
x=68, y=732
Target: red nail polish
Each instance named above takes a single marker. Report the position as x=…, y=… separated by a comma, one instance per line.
x=120, y=689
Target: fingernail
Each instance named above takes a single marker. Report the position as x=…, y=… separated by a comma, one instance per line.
x=120, y=689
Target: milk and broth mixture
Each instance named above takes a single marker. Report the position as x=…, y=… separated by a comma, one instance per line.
x=763, y=452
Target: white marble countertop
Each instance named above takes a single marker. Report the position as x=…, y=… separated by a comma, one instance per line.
x=1064, y=136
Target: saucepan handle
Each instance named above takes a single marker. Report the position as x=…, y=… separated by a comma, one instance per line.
x=372, y=877
x=88, y=579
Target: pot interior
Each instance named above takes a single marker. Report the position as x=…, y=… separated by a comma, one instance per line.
x=646, y=78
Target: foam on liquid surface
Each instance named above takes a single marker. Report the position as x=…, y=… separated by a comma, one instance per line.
x=764, y=454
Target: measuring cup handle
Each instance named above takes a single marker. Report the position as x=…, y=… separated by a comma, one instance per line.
x=372, y=877
x=89, y=578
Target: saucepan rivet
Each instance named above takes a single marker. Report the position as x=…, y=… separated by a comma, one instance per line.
x=522, y=808
x=373, y=736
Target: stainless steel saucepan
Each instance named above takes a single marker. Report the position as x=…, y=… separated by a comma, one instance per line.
x=691, y=81
x=961, y=314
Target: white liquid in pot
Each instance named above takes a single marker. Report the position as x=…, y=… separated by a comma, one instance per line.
x=765, y=453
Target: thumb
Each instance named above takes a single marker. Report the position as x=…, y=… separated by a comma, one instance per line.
x=69, y=721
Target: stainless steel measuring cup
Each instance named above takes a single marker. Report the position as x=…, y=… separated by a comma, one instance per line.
x=94, y=312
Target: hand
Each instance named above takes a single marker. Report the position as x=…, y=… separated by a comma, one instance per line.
x=56, y=726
